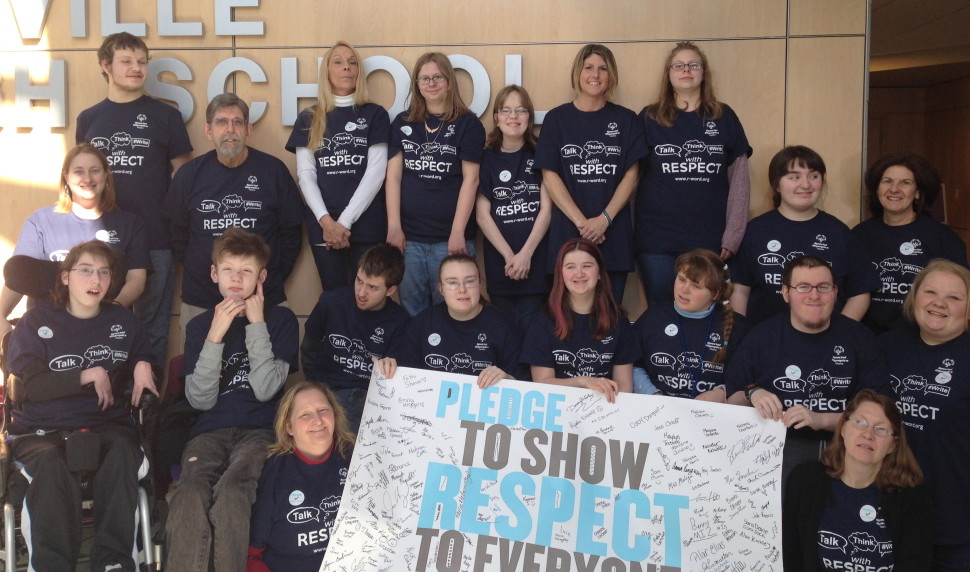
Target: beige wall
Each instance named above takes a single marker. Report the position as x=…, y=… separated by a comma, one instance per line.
x=794, y=72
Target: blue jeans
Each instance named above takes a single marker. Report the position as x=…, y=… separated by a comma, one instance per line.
x=657, y=273
x=419, y=289
x=352, y=400
x=208, y=516
x=338, y=267
x=154, y=307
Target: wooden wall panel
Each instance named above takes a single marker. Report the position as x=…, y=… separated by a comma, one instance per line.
x=827, y=17
x=825, y=97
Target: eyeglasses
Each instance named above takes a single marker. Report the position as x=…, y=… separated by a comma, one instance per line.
x=468, y=283
x=803, y=288
x=425, y=80
x=89, y=271
x=693, y=66
x=223, y=122
x=862, y=425
x=506, y=111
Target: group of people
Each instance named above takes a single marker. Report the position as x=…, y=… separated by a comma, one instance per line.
x=779, y=313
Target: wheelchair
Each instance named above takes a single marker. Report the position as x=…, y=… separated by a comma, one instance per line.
x=13, y=483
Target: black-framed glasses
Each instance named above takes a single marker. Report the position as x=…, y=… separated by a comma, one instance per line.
x=805, y=288
x=693, y=66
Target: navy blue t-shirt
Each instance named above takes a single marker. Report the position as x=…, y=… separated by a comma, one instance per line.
x=296, y=505
x=434, y=340
x=112, y=339
x=140, y=139
x=771, y=240
x=432, y=174
x=207, y=197
x=684, y=181
x=900, y=253
x=932, y=389
x=579, y=354
x=237, y=405
x=818, y=371
x=511, y=186
x=341, y=163
x=48, y=235
x=341, y=339
x=678, y=353
x=852, y=534
x=591, y=152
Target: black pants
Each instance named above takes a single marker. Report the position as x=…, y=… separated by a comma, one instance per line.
x=51, y=517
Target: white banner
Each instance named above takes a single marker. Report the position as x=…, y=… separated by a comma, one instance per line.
x=528, y=477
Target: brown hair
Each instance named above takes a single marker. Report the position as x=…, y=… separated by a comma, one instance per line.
x=384, y=260
x=107, y=201
x=611, y=70
x=96, y=249
x=325, y=97
x=343, y=438
x=119, y=41
x=454, y=106
x=707, y=269
x=224, y=100
x=606, y=312
x=935, y=265
x=925, y=177
x=494, y=140
x=783, y=161
x=899, y=469
x=238, y=242
x=664, y=111
x=804, y=261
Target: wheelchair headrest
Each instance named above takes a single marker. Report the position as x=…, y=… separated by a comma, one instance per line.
x=31, y=276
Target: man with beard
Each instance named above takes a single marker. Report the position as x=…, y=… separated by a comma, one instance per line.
x=232, y=186
x=803, y=366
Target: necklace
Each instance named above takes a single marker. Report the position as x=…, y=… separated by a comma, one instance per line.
x=429, y=129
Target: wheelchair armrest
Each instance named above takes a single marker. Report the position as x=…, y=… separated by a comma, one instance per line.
x=6, y=462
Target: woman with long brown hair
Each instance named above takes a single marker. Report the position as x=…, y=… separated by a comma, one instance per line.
x=695, y=174
x=863, y=506
x=432, y=179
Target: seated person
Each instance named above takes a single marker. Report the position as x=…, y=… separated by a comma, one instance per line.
x=311, y=455
x=586, y=340
x=350, y=326
x=803, y=366
x=73, y=356
x=237, y=356
x=461, y=335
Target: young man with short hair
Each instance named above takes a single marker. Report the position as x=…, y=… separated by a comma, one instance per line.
x=351, y=325
x=145, y=141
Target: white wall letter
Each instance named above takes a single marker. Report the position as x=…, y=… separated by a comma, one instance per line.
x=157, y=88
x=54, y=92
x=111, y=25
x=220, y=74
x=400, y=75
x=226, y=26
x=167, y=26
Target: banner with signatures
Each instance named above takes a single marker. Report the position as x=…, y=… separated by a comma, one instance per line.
x=532, y=477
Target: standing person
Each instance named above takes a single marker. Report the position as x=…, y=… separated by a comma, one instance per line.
x=801, y=367
x=232, y=186
x=341, y=157
x=695, y=174
x=85, y=210
x=461, y=335
x=237, y=356
x=901, y=238
x=586, y=340
x=929, y=364
x=145, y=141
x=65, y=392
x=311, y=456
x=513, y=210
x=350, y=326
x=798, y=227
x=588, y=152
x=867, y=490
x=686, y=344
x=432, y=177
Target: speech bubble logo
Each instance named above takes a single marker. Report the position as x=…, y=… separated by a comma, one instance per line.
x=831, y=540
x=97, y=353
x=588, y=355
x=461, y=360
x=209, y=206
x=121, y=139
x=788, y=385
x=594, y=147
x=689, y=359
x=818, y=378
x=232, y=201
x=563, y=357
x=339, y=342
x=862, y=542
x=914, y=383
x=343, y=138
x=102, y=143
x=65, y=362
x=436, y=361
x=890, y=265
x=694, y=146
x=303, y=514
x=662, y=359
x=772, y=259
x=666, y=149
x=570, y=151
